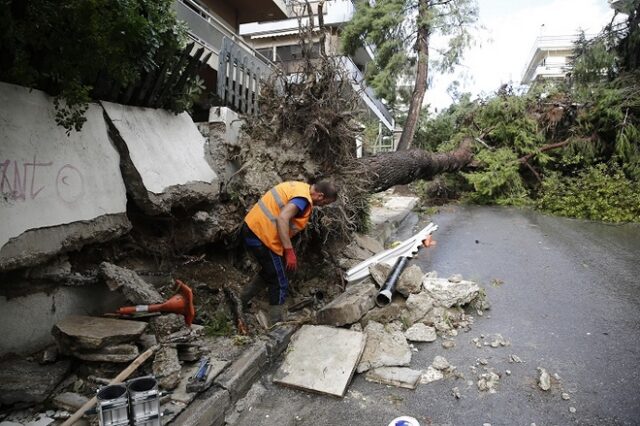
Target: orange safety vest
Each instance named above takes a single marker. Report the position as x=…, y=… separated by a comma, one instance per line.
x=261, y=219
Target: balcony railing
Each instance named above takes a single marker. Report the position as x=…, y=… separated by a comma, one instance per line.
x=366, y=93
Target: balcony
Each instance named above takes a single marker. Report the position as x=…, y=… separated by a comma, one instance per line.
x=209, y=31
x=548, y=58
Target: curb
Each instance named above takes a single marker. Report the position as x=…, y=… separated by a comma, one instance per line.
x=210, y=407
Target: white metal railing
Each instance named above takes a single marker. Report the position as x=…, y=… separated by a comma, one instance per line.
x=209, y=30
x=366, y=92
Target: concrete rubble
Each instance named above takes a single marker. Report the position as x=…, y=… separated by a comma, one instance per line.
x=78, y=333
x=421, y=333
x=447, y=293
x=134, y=288
x=22, y=381
x=544, y=380
x=350, y=306
x=395, y=376
x=386, y=347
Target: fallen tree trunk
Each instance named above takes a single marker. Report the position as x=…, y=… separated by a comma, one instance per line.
x=403, y=167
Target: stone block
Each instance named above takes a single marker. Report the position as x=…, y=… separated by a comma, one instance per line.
x=350, y=306
x=79, y=332
x=241, y=374
x=208, y=409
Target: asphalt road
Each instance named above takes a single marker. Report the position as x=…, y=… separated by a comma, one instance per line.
x=565, y=293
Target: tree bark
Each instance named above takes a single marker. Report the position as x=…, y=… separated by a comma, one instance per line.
x=420, y=87
x=403, y=167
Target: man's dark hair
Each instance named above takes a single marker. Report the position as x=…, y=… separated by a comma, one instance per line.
x=329, y=189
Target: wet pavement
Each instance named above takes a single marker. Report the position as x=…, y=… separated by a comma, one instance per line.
x=565, y=293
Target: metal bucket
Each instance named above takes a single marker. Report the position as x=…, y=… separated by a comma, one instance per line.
x=113, y=405
x=144, y=400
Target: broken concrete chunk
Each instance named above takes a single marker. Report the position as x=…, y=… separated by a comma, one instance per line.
x=440, y=363
x=544, y=381
x=488, y=382
x=418, y=305
x=379, y=272
x=448, y=294
x=321, y=359
x=448, y=344
x=421, y=333
x=350, y=306
x=395, y=376
x=368, y=243
x=410, y=281
x=79, y=332
x=167, y=324
x=69, y=401
x=166, y=366
x=354, y=251
x=386, y=347
x=386, y=314
x=134, y=288
x=431, y=375
x=29, y=382
x=123, y=352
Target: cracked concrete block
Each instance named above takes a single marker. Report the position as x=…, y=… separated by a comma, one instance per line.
x=395, y=376
x=166, y=366
x=386, y=314
x=350, y=306
x=79, y=332
x=163, y=157
x=240, y=375
x=74, y=178
x=29, y=382
x=134, y=288
x=410, y=281
x=386, y=347
x=115, y=353
x=447, y=294
x=207, y=409
x=418, y=305
x=420, y=332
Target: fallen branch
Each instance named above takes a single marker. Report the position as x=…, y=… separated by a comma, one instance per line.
x=526, y=158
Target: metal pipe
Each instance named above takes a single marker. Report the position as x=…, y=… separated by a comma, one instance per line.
x=386, y=291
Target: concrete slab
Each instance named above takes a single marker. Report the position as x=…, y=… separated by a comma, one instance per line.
x=321, y=359
x=124, y=352
x=79, y=332
x=350, y=306
x=394, y=209
x=386, y=347
x=239, y=377
x=163, y=157
x=395, y=376
x=29, y=382
x=75, y=179
x=134, y=288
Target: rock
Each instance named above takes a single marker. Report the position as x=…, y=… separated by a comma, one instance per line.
x=497, y=340
x=431, y=375
x=29, y=382
x=448, y=294
x=49, y=355
x=572, y=410
x=565, y=396
x=69, y=401
x=124, y=352
x=395, y=376
x=386, y=347
x=515, y=358
x=165, y=325
x=448, y=344
x=134, y=288
x=78, y=332
x=544, y=381
x=410, y=281
x=386, y=314
x=455, y=278
x=440, y=363
x=368, y=243
x=166, y=366
x=488, y=382
x=507, y=372
x=421, y=333
x=350, y=306
x=354, y=251
x=455, y=392
x=379, y=273
x=417, y=307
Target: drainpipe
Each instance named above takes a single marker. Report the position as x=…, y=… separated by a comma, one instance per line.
x=386, y=291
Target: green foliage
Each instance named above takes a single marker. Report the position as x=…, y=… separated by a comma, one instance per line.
x=219, y=325
x=499, y=181
x=601, y=192
x=392, y=25
x=65, y=46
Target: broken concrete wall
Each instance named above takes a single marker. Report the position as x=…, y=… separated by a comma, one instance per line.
x=57, y=192
x=26, y=321
x=163, y=157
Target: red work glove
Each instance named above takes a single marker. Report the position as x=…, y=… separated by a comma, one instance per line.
x=290, y=259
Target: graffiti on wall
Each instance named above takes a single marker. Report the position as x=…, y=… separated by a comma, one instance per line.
x=25, y=181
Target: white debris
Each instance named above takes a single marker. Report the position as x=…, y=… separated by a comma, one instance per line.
x=420, y=332
x=565, y=396
x=440, y=363
x=544, y=382
x=572, y=410
x=449, y=294
x=488, y=382
x=507, y=372
x=455, y=392
x=515, y=358
x=448, y=344
x=431, y=375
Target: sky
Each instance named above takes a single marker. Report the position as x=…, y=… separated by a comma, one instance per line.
x=502, y=48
